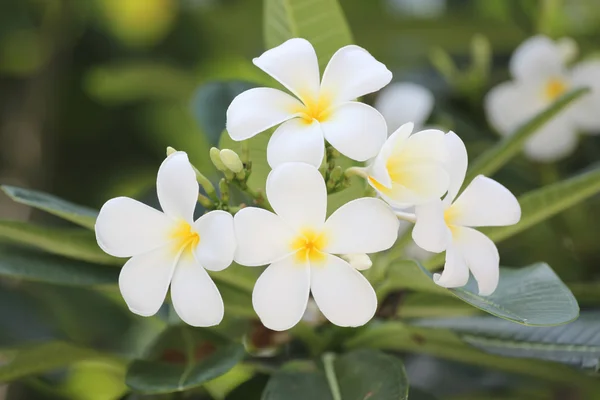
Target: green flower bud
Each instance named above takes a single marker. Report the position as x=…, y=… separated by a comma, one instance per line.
x=231, y=160
x=215, y=157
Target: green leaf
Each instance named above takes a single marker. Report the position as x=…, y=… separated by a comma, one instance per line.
x=75, y=213
x=541, y=204
x=367, y=374
x=429, y=305
x=532, y=296
x=497, y=156
x=210, y=103
x=418, y=394
x=183, y=358
x=34, y=265
x=69, y=242
x=38, y=358
x=321, y=22
x=577, y=343
x=360, y=374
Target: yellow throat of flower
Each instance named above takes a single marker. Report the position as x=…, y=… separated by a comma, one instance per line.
x=185, y=238
x=314, y=109
x=309, y=245
x=554, y=88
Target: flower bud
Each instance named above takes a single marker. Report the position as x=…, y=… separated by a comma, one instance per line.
x=170, y=151
x=358, y=261
x=215, y=157
x=231, y=160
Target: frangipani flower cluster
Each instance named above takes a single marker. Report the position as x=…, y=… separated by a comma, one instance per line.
x=539, y=67
x=306, y=252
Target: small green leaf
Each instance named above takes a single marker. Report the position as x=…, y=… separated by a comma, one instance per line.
x=497, y=156
x=532, y=296
x=183, y=358
x=69, y=242
x=38, y=358
x=541, y=204
x=34, y=265
x=576, y=344
x=321, y=22
x=75, y=213
x=297, y=385
x=210, y=103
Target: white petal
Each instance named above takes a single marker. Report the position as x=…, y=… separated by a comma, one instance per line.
x=455, y=273
x=553, y=141
x=456, y=165
x=420, y=183
x=126, y=227
x=585, y=111
x=217, y=240
x=536, y=58
x=485, y=202
x=511, y=104
x=257, y=110
x=343, y=295
x=294, y=64
x=431, y=232
x=262, y=237
x=356, y=130
x=295, y=140
x=281, y=294
x=365, y=225
x=177, y=187
x=353, y=72
x=568, y=49
x=298, y=195
x=481, y=256
x=195, y=296
x=404, y=102
x=429, y=144
x=144, y=280
x=396, y=141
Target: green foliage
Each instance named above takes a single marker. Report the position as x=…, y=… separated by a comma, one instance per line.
x=321, y=22
x=75, y=213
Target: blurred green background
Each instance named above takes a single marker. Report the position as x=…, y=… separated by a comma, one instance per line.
x=93, y=91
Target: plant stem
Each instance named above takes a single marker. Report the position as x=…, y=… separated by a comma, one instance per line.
x=328, y=360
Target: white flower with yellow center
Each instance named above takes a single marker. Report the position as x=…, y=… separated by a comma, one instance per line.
x=321, y=109
x=539, y=69
x=299, y=244
x=169, y=247
x=447, y=225
x=409, y=169
x=404, y=102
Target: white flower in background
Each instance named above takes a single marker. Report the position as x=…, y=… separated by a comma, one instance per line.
x=538, y=67
x=447, y=225
x=321, y=110
x=299, y=244
x=169, y=247
x=404, y=102
x=409, y=169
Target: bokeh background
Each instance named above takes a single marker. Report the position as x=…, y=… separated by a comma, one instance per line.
x=93, y=91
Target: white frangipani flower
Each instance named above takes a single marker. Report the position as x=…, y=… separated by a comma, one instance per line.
x=403, y=102
x=447, y=225
x=538, y=67
x=299, y=244
x=320, y=110
x=409, y=169
x=169, y=247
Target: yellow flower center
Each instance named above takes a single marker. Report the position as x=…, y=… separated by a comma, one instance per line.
x=309, y=246
x=554, y=88
x=450, y=215
x=184, y=237
x=394, y=167
x=314, y=109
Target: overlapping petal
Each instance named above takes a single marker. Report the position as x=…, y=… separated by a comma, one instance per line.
x=126, y=227
x=294, y=64
x=485, y=202
x=217, y=240
x=353, y=72
x=298, y=195
x=585, y=111
x=343, y=295
x=431, y=232
x=365, y=225
x=177, y=187
x=456, y=165
x=536, y=58
x=481, y=256
x=456, y=272
x=195, y=296
x=281, y=294
x=296, y=141
x=510, y=104
x=356, y=130
x=262, y=237
x=144, y=279
x=553, y=141
x=257, y=110
x=404, y=102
